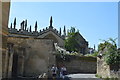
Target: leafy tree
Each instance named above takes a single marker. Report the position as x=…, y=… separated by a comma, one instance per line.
x=112, y=56
x=71, y=43
x=95, y=54
x=102, y=46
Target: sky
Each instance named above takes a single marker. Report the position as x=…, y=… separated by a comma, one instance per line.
x=94, y=20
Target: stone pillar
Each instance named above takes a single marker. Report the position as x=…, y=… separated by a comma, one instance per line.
x=4, y=63
x=21, y=65
x=10, y=60
x=10, y=66
x=22, y=25
x=7, y=59
x=21, y=62
x=4, y=17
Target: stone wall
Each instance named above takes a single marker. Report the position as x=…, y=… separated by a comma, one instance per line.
x=38, y=55
x=4, y=17
x=105, y=70
x=102, y=68
x=53, y=36
x=75, y=64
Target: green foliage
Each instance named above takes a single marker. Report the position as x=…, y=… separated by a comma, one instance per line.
x=110, y=79
x=112, y=55
x=95, y=54
x=98, y=76
x=107, y=78
x=71, y=43
x=102, y=46
x=107, y=43
x=73, y=53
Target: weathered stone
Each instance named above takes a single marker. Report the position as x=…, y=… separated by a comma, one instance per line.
x=4, y=17
x=34, y=52
x=36, y=59
x=76, y=64
x=104, y=70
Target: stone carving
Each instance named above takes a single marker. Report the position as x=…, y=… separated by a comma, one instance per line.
x=36, y=26
x=64, y=31
x=28, y=32
x=60, y=31
x=51, y=23
x=11, y=26
x=27, y=29
x=14, y=23
x=25, y=24
x=57, y=31
x=22, y=25
x=30, y=28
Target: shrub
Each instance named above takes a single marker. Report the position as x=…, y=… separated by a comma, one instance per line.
x=112, y=55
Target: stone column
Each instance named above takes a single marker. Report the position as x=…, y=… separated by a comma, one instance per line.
x=10, y=61
x=4, y=63
x=21, y=65
x=4, y=17
x=7, y=59
x=21, y=62
x=10, y=66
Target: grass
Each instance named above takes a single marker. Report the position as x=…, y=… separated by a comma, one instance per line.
x=98, y=76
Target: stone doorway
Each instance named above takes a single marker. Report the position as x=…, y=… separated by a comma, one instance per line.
x=15, y=65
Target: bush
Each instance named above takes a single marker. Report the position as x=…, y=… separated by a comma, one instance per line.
x=95, y=54
x=112, y=55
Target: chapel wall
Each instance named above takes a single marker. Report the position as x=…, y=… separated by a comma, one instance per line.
x=4, y=18
x=38, y=55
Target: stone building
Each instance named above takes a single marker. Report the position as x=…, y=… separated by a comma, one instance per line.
x=48, y=33
x=82, y=43
x=31, y=53
x=4, y=17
